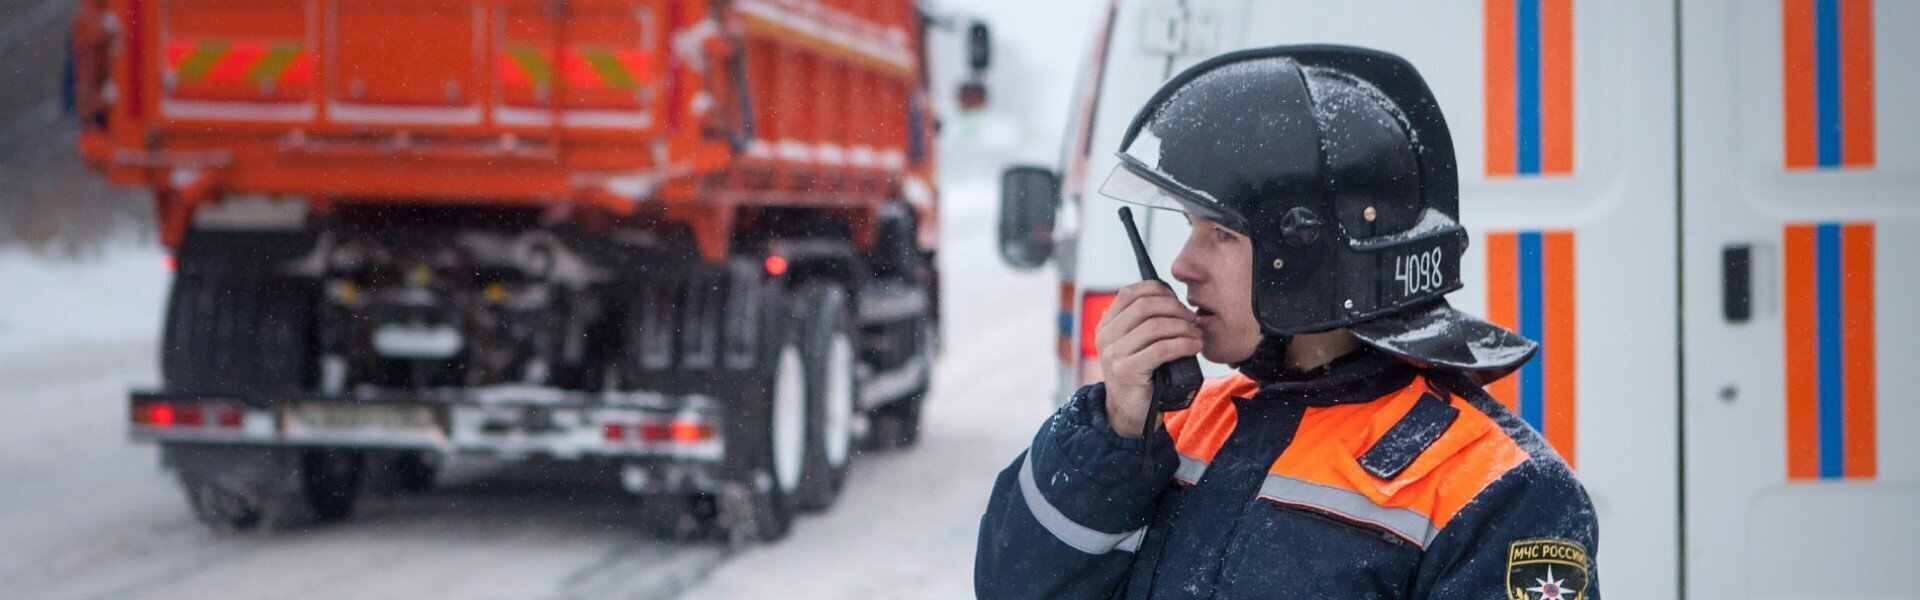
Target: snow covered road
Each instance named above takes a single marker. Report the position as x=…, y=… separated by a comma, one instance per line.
x=87, y=514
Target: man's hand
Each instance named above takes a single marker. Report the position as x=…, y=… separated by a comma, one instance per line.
x=1145, y=327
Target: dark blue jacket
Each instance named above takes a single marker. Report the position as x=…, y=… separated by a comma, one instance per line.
x=1370, y=480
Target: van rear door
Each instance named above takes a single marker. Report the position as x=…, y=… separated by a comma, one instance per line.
x=1799, y=185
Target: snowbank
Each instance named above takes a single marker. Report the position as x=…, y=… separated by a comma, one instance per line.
x=117, y=295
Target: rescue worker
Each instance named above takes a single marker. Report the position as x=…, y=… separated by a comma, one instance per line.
x=1353, y=454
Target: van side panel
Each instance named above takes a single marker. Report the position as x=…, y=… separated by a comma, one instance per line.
x=1797, y=121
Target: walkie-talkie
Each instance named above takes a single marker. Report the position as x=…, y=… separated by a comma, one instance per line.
x=1175, y=382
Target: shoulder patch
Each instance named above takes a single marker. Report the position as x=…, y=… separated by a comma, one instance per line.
x=1546, y=569
x=1411, y=435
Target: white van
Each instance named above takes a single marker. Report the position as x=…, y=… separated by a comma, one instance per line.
x=1697, y=206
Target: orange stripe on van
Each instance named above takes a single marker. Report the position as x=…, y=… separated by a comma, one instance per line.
x=1500, y=86
x=1503, y=299
x=1796, y=37
x=1556, y=86
x=1857, y=339
x=1463, y=461
x=1801, y=350
x=1856, y=83
x=1558, y=353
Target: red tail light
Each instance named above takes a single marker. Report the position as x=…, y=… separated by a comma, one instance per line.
x=230, y=416
x=189, y=415
x=173, y=413
x=686, y=432
x=659, y=432
x=159, y=414
x=655, y=432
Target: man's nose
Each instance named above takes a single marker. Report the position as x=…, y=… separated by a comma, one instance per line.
x=1187, y=268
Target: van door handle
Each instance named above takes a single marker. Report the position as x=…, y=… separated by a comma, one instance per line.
x=1736, y=283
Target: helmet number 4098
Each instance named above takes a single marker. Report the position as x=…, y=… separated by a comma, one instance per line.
x=1418, y=273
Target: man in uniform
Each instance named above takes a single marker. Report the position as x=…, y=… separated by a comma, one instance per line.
x=1353, y=454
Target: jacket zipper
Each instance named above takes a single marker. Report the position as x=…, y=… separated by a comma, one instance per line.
x=1362, y=529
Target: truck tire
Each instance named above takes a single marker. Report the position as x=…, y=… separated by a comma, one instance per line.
x=330, y=482
x=678, y=517
x=896, y=425
x=232, y=325
x=221, y=508
x=826, y=334
x=767, y=443
x=414, y=472
x=325, y=486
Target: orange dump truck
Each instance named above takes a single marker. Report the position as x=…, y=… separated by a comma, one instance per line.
x=688, y=244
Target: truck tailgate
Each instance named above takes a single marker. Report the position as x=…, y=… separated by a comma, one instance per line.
x=359, y=66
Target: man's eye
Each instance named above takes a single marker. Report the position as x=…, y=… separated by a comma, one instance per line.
x=1222, y=235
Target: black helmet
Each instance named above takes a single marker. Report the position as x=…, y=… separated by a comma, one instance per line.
x=1337, y=163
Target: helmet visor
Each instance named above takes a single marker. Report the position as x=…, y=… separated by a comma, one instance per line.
x=1134, y=183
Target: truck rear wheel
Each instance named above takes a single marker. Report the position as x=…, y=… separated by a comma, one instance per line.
x=222, y=508
x=896, y=425
x=679, y=517
x=233, y=325
x=768, y=442
x=826, y=343
x=330, y=482
x=234, y=488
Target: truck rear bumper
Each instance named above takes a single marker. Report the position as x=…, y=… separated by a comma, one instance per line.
x=506, y=421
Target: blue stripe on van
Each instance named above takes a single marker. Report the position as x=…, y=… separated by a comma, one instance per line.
x=1532, y=326
x=1826, y=68
x=1827, y=318
x=1527, y=77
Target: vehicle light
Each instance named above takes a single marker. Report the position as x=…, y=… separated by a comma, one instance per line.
x=776, y=265
x=230, y=416
x=158, y=414
x=655, y=432
x=189, y=414
x=614, y=432
x=687, y=432
x=1093, y=306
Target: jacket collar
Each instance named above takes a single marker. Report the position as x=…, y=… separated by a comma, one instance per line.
x=1359, y=376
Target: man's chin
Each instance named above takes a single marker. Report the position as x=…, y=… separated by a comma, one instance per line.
x=1217, y=352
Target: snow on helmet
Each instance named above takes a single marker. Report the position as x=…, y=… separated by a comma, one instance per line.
x=1337, y=164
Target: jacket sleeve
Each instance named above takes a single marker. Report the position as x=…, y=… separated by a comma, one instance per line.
x=1530, y=534
x=1066, y=517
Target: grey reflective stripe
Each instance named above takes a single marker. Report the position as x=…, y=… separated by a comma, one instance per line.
x=1080, y=537
x=1405, y=523
x=1190, y=469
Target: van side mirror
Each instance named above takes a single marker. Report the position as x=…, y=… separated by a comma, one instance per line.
x=1029, y=196
x=979, y=46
